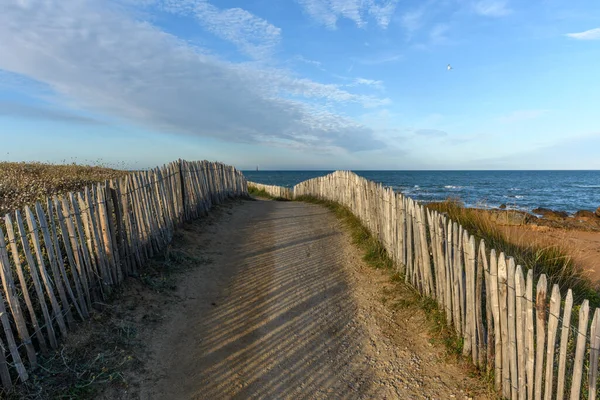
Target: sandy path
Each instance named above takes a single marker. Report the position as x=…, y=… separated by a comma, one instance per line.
x=287, y=309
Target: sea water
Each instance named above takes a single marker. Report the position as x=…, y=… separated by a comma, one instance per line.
x=523, y=190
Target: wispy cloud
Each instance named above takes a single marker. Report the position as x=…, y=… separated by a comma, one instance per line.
x=106, y=62
x=382, y=11
x=353, y=82
x=253, y=35
x=380, y=59
x=20, y=110
x=412, y=21
x=521, y=115
x=369, y=82
x=327, y=12
x=314, y=63
x=592, y=34
x=492, y=8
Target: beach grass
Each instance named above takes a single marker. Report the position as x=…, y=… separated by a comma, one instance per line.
x=554, y=261
x=254, y=191
x=23, y=183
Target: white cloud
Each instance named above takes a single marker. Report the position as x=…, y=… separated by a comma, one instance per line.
x=103, y=61
x=382, y=11
x=492, y=8
x=378, y=59
x=15, y=109
x=413, y=20
x=327, y=12
x=592, y=34
x=369, y=82
x=252, y=35
x=353, y=82
x=314, y=63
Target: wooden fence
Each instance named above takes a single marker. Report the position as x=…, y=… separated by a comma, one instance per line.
x=72, y=250
x=275, y=191
x=533, y=344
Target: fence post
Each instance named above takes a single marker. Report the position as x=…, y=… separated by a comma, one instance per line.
x=182, y=180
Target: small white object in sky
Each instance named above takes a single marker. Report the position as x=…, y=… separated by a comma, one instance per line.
x=449, y=67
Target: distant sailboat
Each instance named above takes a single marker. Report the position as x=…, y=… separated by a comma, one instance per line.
x=257, y=168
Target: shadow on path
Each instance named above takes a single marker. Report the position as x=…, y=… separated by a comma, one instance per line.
x=271, y=318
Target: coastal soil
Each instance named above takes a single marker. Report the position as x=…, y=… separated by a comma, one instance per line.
x=577, y=235
x=281, y=305
x=582, y=245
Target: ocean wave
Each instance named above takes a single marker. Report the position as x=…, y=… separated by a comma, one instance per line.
x=588, y=186
x=453, y=187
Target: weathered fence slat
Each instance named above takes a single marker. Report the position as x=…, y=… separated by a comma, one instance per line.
x=530, y=341
x=503, y=300
x=540, y=329
x=584, y=311
x=4, y=372
x=77, y=301
x=520, y=330
x=552, y=327
x=36, y=280
x=50, y=253
x=73, y=246
x=564, y=340
x=58, y=313
x=12, y=298
x=23, y=286
x=512, y=330
x=489, y=314
x=594, y=354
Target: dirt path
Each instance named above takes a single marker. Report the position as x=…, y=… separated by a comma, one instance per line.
x=287, y=309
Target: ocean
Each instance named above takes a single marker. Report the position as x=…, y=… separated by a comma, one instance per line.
x=568, y=191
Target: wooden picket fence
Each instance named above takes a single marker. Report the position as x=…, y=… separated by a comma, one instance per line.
x=529, y=341
x=72, y=250
x=272, y=190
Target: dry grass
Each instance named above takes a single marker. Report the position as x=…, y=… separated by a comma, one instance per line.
x=254, y=191
x=554, y=261
x=23, y=183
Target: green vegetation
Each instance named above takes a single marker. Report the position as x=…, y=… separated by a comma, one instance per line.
x=552, y=261
x=254, y=191
x=23, y=183
x=405, y=296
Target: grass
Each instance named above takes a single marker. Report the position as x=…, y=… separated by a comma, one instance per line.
x=376, y=257
x=254, y=191
x=23, y=184
x=550, y=260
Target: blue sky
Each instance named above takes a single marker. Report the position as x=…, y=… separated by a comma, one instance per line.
x=302, y=84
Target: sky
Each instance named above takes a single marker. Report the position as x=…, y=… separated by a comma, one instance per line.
x=302, y=84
